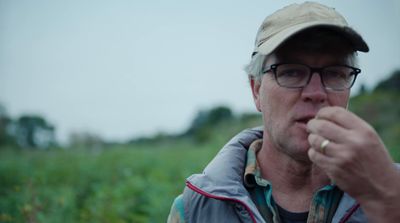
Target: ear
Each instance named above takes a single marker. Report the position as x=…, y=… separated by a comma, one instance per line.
x=255, y=90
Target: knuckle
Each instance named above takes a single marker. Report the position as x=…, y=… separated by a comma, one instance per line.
x=327, y=110
x=331, y=115
x=312, y=139
x=337, y=115
x=370, y=132
x=323, y=127
x=364, y=138
x=351, y=157
x=346, y=159
x=358, y=142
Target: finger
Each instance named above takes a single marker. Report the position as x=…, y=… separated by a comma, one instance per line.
x=316, y=142
x=341, y=117
x=328, y=130
x=320, y=160
x=326, y=163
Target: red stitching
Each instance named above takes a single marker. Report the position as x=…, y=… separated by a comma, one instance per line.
x=349, y=213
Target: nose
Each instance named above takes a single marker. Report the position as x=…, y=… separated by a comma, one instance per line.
x=314, y=91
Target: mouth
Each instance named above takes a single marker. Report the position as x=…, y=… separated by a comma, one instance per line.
x=302, y=121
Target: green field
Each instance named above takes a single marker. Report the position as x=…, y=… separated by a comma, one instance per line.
x=138, y=182
x=112, y=185
x=120, y=184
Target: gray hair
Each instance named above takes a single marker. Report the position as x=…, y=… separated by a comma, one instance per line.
x=254, y=68
x=314, y=40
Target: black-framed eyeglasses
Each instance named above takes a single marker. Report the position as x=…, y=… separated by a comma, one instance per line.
x=292, y=75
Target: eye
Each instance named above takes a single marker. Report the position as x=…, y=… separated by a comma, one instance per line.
x=337, y=72
x=292, y=71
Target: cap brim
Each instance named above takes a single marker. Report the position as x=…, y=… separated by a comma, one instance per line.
x=273, y=42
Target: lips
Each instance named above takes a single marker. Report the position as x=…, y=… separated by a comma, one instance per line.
x=304, y=119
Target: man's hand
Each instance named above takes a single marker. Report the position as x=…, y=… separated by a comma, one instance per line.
x=356, y=160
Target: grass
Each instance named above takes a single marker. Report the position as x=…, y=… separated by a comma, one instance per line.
x=119, y=184
x=116, y=185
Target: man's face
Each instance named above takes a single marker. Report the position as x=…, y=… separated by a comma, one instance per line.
x=286, y=111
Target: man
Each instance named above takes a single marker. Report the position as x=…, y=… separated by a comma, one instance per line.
x=312, y=161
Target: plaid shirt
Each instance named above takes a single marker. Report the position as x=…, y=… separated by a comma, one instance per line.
x=176, y=214
x=323, y=205
x=322, y=209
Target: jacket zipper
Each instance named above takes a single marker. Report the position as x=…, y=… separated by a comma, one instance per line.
x=196, y=189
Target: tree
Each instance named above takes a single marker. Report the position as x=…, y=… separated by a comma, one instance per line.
x=34, y=131
x=390, y=84
x=363, y=89
x=205, y=120
x=5, y=122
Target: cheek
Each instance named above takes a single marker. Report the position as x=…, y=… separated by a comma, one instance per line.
x=267, y=98
x=276, y=104
x=339, y=99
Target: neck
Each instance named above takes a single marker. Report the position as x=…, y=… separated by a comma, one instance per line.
x=294, y=182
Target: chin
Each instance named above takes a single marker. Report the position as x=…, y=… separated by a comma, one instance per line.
x=300, y=141
x=296, y=149
x=300, y=147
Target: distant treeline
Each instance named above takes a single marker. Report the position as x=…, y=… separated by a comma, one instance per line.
x=206, y=125
x=379, y=106
x=27, y=131
x=381, y=109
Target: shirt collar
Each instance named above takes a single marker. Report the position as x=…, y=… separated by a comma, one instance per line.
x=252, y=173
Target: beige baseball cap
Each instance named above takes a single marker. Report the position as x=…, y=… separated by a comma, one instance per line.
x=292, y=19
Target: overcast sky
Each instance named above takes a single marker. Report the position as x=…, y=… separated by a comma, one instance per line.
x=124, y=69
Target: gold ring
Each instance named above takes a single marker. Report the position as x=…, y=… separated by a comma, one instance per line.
x=323, y=145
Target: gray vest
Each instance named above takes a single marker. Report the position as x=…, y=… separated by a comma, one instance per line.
x=218, y=194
